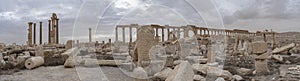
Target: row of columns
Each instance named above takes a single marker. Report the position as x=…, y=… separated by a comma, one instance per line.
x=31, y=42
x=185, y=29
x=53, y=32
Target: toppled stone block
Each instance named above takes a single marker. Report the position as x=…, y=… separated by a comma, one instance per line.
x=199, y=78
x=154, y=67
x=202, y=68
x=163, y=74
x=69, y=63
x=34, y=62
x=284, y=48
x=39, y=51
x=182, y=72
x=237, y=77
x=139, y=74
x=21, y=61
x=244, y=71
x=259, y=47
x=278, y=58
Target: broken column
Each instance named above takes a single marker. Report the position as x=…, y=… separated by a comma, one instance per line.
x=34, y=62
x=260, y=48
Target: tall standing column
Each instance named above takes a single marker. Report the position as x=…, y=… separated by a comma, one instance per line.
x=90, y=34
x=57, y=31
x=49, y=32
x=123, y=33
x=29, y=41
x=168, y=31
x=116, y=30
x=130, y=34
x=41, y=33
x=34, y=33
x=163, y=35
x=178, y=33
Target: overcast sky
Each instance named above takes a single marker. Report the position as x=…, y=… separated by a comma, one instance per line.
x=76, y=16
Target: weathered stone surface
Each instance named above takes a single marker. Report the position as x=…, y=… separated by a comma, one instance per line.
x=284, y=48
x=34, y=62
x=164, y=73
x=237, y=77
x=261, y=66
x=200, y=68
x=109, y=62
x=139, y=74
x=154, y=67
x=259, y=47
x=21, y=61
x=39, y=51
x=69, y=44
x=145, y=36
x=69, y=63
x=278, y=58
x=182, y=72
x=244, y=71
x=199, y=78
x=220, y=79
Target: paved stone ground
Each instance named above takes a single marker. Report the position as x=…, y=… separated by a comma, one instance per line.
x=59, y=73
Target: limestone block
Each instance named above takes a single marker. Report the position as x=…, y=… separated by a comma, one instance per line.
x=34, y=62
x=39, y=51
x=69, y=63
x=139, y=74
x=237, y=77
x=259, y=47
x=284, y=48
x=164, y=73
x=199, y=78
x=182, y=72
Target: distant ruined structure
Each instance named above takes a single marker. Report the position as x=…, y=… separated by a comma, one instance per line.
x=53, y=32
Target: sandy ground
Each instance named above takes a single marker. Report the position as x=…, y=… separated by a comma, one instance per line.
x=59, y=73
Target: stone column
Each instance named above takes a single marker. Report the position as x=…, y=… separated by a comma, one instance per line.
x=34, y=33
x=57, y=31
x=49, y=31
x=178, y=33
x=41, y=33
x=123, y=34
x=163, y=35
x=29, y=41
x=185, y=32
x=130, y=34
x=116, y=29
x=200, y=32
x=168, y=31
x=90, y=34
